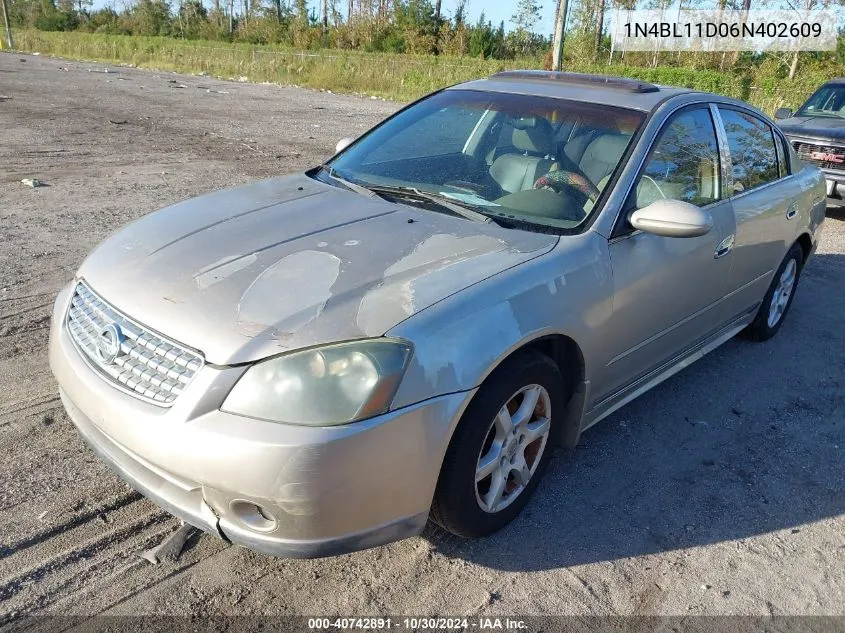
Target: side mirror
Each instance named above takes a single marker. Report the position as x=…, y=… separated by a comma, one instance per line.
x=672, y=218
x=783, y=113
x=342, y=144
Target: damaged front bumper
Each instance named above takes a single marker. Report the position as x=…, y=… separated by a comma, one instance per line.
x=284, y=490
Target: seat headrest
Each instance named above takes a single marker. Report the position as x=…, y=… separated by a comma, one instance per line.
x=608, y=146
x=533, y=134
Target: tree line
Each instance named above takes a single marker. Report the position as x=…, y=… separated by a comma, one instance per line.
x=416, y=27
x=397, y=26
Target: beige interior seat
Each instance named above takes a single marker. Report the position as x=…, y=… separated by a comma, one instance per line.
x=651, y=189
x=602, y=155
x=533, y=138
x=605, y=151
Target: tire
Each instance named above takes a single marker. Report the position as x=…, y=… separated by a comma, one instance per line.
x=775, y=303
x=460, y=500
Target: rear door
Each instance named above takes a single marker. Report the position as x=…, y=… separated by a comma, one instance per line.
x=765, y=199
x=667, y=290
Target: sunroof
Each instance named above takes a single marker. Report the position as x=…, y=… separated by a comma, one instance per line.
x=618, y=83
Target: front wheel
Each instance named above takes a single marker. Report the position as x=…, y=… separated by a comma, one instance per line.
x=778, y=298
x=501, y=447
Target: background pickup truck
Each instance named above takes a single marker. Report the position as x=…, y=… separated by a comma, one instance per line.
x=817, y=132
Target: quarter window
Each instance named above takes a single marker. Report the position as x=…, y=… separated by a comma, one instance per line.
x=683, y=164
x=752, y=145
x=783, y=156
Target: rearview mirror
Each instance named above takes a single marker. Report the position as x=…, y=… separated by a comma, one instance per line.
x=672, y=218
x=783, y=113
x=342, y=144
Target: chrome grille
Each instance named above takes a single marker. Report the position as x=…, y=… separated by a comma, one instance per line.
x=824, y=156
x=147, y=365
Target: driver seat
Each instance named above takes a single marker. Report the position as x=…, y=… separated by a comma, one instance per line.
x=533, y=137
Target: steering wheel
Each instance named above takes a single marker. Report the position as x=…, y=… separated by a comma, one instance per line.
x=558, y=179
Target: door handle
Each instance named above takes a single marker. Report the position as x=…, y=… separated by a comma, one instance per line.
x=725, y=246
x=792, y=211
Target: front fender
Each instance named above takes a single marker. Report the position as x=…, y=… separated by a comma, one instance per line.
x=458, y=342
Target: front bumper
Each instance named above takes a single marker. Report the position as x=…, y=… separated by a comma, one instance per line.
x=835, y=182
x=321, y=491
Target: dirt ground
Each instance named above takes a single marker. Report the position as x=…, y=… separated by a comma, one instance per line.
x=720, y=492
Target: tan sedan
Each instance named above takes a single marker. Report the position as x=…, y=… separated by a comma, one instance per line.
x=318, y=363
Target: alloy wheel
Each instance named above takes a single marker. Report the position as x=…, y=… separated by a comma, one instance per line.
x=513, y=448
x=782, y=293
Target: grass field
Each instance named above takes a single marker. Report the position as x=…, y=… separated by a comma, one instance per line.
x=394, y=76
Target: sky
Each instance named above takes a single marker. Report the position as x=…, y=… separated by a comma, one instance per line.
x=498, y=10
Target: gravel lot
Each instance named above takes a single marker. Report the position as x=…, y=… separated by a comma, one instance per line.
x=720, y=492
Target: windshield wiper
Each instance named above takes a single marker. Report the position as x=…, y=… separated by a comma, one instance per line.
x=413, y=193
x=354, y=186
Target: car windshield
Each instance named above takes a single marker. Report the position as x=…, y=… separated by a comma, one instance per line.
x=826, y=101
x=535, y=162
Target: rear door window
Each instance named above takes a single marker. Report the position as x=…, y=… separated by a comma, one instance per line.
x=754, y=156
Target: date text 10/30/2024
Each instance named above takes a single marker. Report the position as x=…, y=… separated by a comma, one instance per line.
x=417, y=624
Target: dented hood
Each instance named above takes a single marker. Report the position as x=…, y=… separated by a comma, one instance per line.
x=284, y=263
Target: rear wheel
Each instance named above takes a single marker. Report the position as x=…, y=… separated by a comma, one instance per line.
x=778, y=298
x=501, y=447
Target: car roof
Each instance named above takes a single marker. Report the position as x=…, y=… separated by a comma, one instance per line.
x=613, y=91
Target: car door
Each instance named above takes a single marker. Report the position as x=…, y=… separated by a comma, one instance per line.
x=667, y=290
x=765, y=201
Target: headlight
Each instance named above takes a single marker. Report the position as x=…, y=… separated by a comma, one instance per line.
x=325, y=386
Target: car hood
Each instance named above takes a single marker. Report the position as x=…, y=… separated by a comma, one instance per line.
x=819, y=127
x=284, y=263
